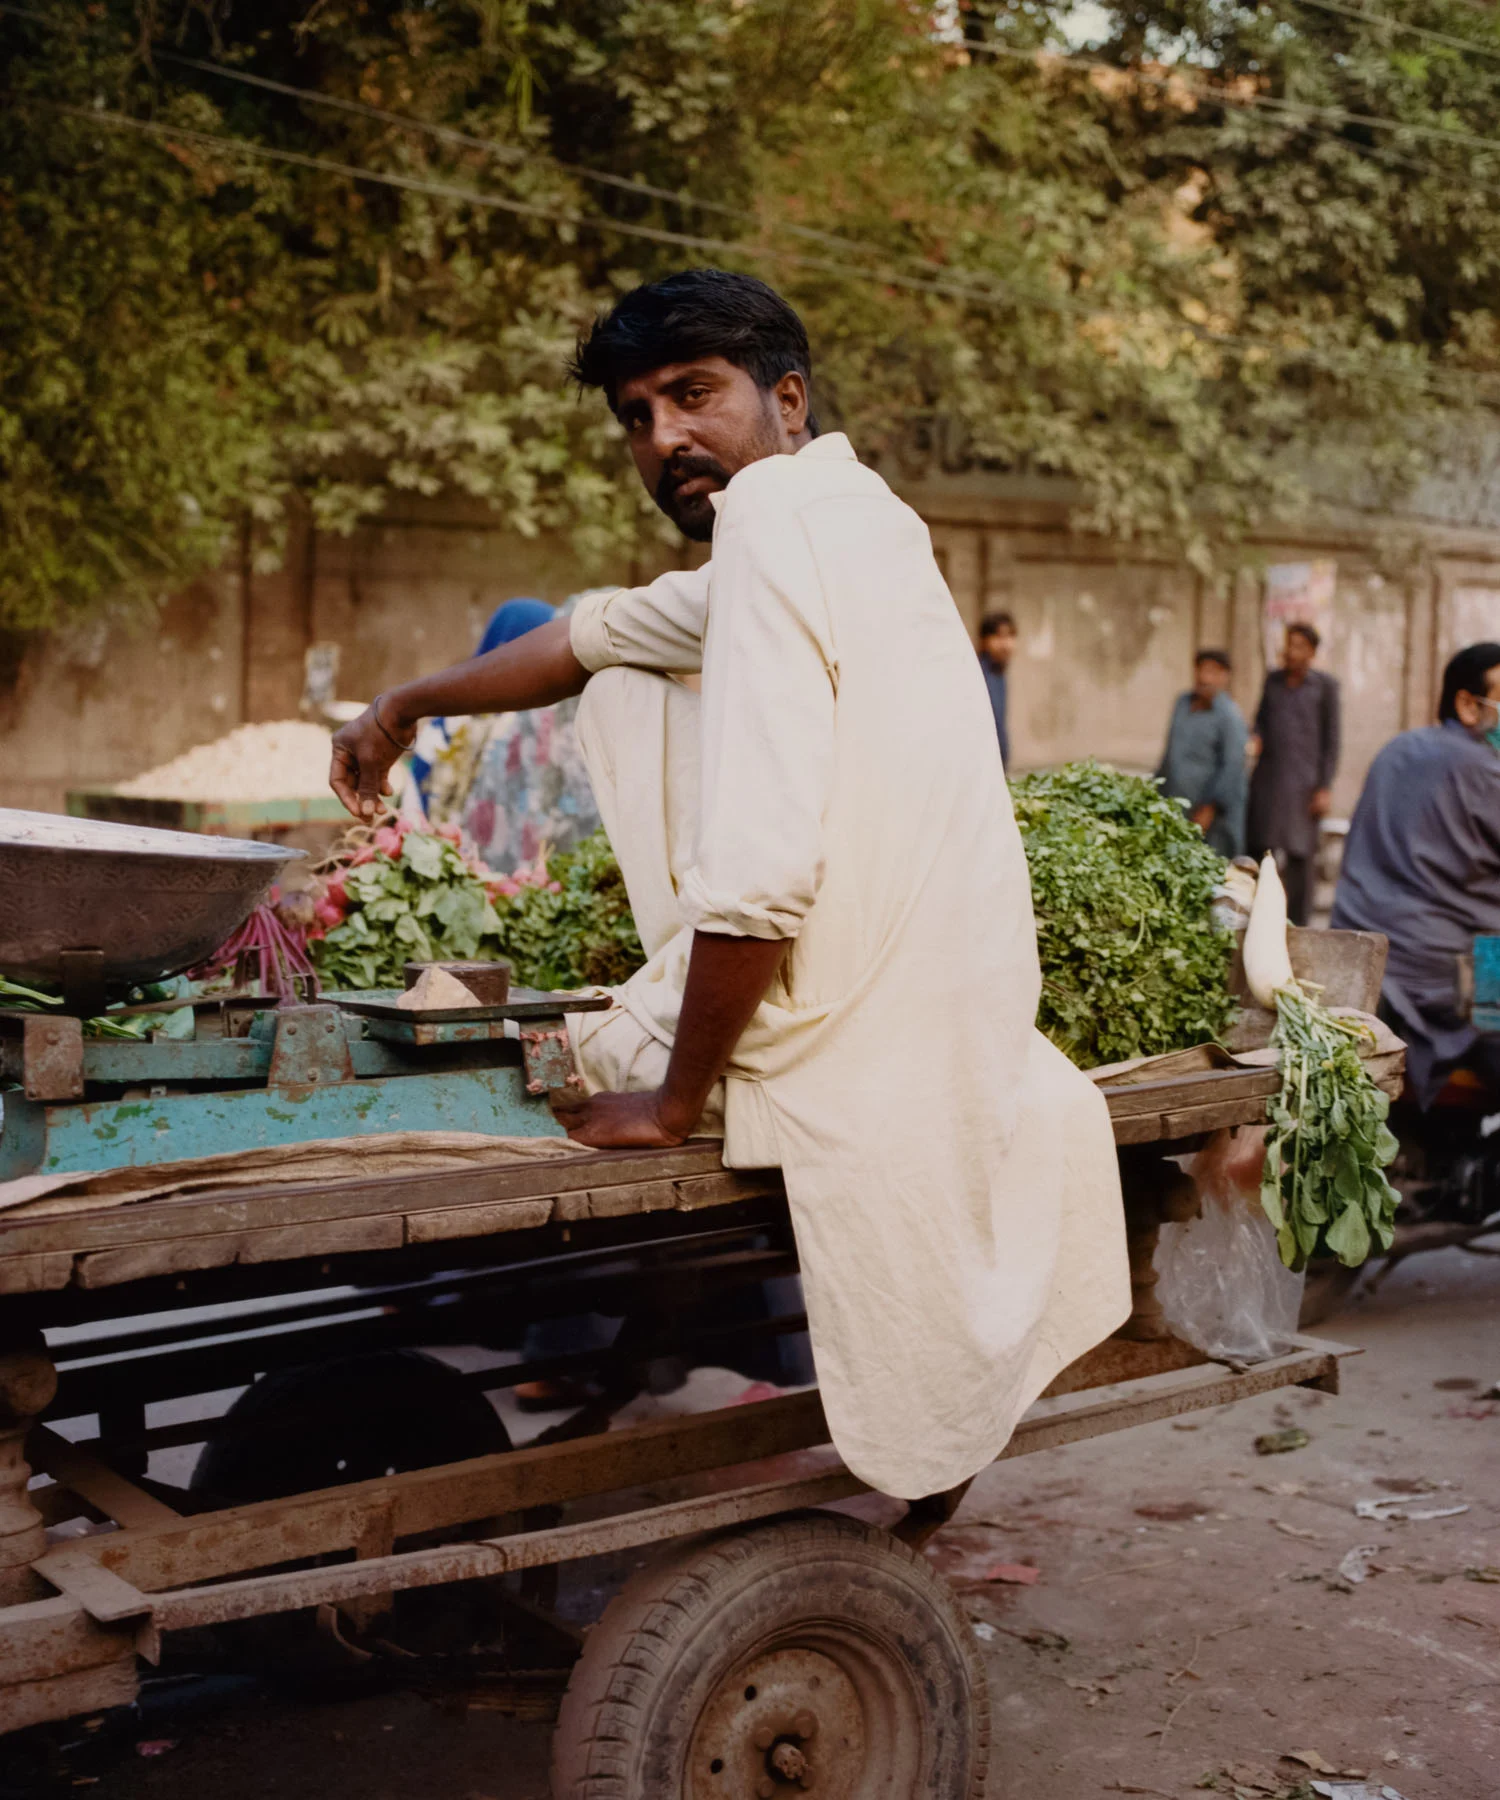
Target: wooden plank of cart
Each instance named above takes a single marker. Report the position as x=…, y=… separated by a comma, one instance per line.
x=771, y=1647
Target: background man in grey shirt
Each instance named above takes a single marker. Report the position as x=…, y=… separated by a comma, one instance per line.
x=1423, y=865
x=1297, y=734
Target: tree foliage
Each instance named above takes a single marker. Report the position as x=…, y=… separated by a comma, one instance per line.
x=1182, y=290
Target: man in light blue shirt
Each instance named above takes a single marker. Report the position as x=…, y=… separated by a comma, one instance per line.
x=1203, y=764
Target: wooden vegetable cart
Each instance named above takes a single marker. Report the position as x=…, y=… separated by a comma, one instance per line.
x=532, y=1240
x=772, y=1647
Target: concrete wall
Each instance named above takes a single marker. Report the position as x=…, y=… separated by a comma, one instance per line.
x=98, y=705
x=402, y=598
x=94, y=707
x=1107, y=633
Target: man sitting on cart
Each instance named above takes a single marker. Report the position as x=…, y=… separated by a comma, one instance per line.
x=829, y=883
x=1422, y=865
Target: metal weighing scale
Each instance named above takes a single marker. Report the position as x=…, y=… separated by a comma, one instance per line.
x=99, y=907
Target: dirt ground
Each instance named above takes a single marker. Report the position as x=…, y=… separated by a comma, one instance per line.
x=1188, y=1629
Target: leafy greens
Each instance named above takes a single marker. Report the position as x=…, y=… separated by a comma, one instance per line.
x=406, y=896
x=576, y=930
x=1324, y=1186
x=1121, y=883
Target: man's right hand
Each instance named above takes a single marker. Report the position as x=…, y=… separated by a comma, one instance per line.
x=538, y=669
x=361, y=766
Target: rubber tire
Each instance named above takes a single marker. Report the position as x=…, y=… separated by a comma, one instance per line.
x=383, y=1410
x=387, y=1410
x=677, y=1631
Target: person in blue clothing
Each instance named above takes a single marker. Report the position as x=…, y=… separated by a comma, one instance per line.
x=1422, y=865
x=510, y=620
x=997, y=641
x=515, y=782
x=1203, y=764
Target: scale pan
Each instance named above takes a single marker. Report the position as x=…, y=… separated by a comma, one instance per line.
x=154, y=902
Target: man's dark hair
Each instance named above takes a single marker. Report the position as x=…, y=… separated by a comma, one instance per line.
x=699, y=312
x=1300, y=628
x=1221, y=657
x=995, y=621
x=1467, y=673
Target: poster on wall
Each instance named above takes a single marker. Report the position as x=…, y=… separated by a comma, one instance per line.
x=1298, y=593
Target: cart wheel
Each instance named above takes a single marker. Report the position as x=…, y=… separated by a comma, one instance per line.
x=814, y=1655
x=320, y=1425
x=349, y=1419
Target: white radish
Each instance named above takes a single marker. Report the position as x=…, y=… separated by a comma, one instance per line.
x=1267, y=963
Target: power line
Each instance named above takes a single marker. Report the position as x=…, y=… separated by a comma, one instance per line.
x=1427, y=381
x=1383, y=152
x=627, y=184
x=1420, y=31
x=1328, y=127
x=508, y=152
x=513, y=153
x=579, y=221
x=1304, y=109
x=933, y=272
x=995, y=289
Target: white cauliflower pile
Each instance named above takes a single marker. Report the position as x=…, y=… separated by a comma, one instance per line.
x=283, y=759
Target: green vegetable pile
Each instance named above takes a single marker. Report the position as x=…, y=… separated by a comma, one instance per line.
x=1324, y=1186
x=174, y=1022
x=1121, y=882
x=402, y=896
x=578, y=929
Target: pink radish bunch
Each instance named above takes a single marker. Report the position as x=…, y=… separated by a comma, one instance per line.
x=271, y=946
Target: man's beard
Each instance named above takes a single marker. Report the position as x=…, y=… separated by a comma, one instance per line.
x=694, y=516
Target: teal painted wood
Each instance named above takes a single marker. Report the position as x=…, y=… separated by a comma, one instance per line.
x=462, y=1031
x=96, y=1134
x=228, y=1059
x=198, y=1059
x=1485, y=1012
x=230, y=818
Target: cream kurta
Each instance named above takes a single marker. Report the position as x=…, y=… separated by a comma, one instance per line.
x=952, y=1177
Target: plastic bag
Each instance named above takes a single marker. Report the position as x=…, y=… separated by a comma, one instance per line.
x=1221, y=1284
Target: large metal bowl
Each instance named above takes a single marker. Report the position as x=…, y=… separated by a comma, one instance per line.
x=154, y=902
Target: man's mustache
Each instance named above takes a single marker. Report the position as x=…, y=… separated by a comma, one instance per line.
x=687, y=468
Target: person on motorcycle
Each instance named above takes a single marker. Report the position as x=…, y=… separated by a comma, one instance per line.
x=1422, y=864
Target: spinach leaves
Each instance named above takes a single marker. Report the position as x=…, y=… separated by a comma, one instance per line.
x=1121, y=882
x=1324, y=1186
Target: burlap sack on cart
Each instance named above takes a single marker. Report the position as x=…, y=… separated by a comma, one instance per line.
x=326, y=1159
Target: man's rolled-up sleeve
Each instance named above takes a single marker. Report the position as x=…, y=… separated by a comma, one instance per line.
x=659, y=626
x=769, y=685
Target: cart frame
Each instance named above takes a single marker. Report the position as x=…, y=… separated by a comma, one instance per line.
x=76, y=1615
